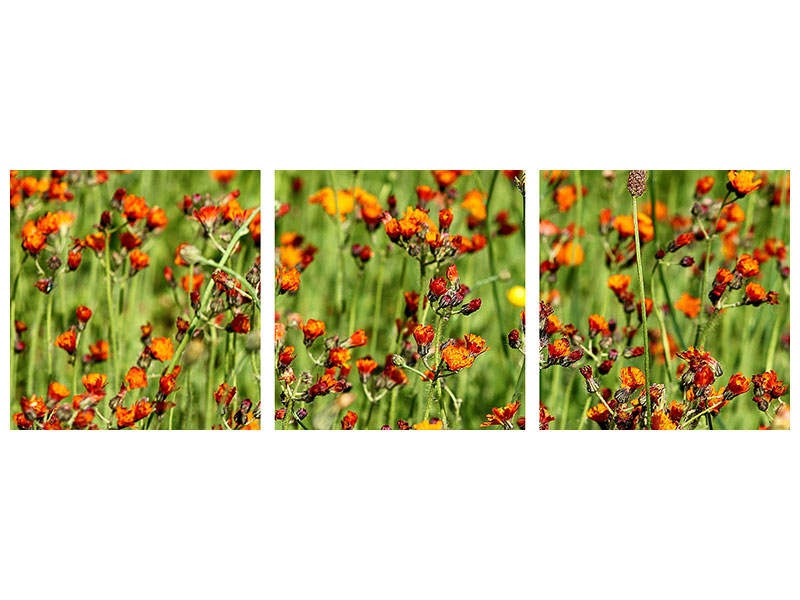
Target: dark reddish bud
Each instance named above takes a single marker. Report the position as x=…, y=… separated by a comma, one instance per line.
x=572, y=358
x=513, y=339
x=105, y=219
x=687, y=261
x=74, y=260
x=660, y=254
x=471, y=307
x=280, y=414
x=605, y=367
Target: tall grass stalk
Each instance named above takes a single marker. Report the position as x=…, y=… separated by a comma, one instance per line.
x=639, y=272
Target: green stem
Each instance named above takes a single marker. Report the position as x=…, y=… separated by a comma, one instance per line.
x=493, y=270
x=49, y=336
x=112, y=318
x=340, y=248
x=699, y=336
x=639, y=268
x=378, y=300
x=437, y=363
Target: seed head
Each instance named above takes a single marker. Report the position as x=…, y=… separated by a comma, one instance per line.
x=637, y=183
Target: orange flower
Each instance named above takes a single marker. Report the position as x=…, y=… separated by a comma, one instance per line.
x=139, y=260
x=161, y=349
x=624, y=226
x=142, y=409
x=502, y=416
x=737, y=384
x=358, y=338
x=445, y=178
x=558, y=349
x=286, y=356
x=723, y=277
x=206, y=216
x=433, y=425
x=631, y=377
x=619, y=283
x=126, y=417
x=423, y=334
x=661, y=421
x=255, y=231
x=474, y=203
x=83, y=313
x=166, y=384
x=570, y=254
x=755, y=293
x=597, y=324
x=223, y=176
x=74, y=260
x=349, y=420
x=567, y=195
x=224, y=394
x=157, y=218
x=733, y=213
x=338, y=357
x=475, y=344
x=742, y=182
x=312, y=330
x=329, y=200
x=457, y=357
x=704, y=185
x=195, y=282
x=33, y=240
x=288, y=280
x=94, y=383
x=67, y=341
x=95, y=241
x=366, y=366
x=99, y=350
x=598, y=413
x=688, y=305
x=747, y=266
x=136, y=378
x=661, y=210
x=57, y=392
x=134, y=208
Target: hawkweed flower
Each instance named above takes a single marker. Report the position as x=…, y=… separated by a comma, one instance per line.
x=737, y=384
x=240, y=324
x=423, y=334
x=167, y=383
x=545, y=418
x=472, y=306
x=365, y=367
x=98, y=352
x=703, y=186
x=136, y=377
x=286, y=356
x=591, y=383
x=358, y=338
x=742, y=183
x=502, y=416
x=436, y=288
x=349, y=420
x=312, y=330
x=67, y=341
x=139, y=260
x=95, y=383
x=161, y=349
x=44, y=285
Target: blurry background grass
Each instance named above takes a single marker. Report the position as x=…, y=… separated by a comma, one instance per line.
x=148, y=298
x=490, y=381
x=741, y=339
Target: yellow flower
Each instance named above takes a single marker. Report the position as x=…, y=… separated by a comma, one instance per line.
x=432, y=424
x=516, y=295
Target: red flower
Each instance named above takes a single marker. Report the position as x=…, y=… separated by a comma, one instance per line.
x=240, y=324
x=83, y=313
x=349, y=420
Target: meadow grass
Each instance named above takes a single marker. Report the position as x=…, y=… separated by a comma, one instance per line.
x=372, y=298
x=745, y=339
x=136, y=300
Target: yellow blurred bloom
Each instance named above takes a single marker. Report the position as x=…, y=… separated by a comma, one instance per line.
x=516, y=295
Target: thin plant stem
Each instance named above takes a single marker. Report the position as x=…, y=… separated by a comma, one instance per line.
x=49, y=336
x=111, y=316
x=493, y=270
x=702, y=328
x=436, y=341
x=639, y=269
x=340, y=247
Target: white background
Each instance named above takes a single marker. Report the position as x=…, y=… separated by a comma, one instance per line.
x=389, y=85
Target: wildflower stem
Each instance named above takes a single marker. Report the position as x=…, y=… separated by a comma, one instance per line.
x=378, y=303
x=340, y=246
x=639, y=271
x=48, y=336
x=76, y=363
x=701, y=328
x=434, y=381
x=493, y=269
x=111, y=315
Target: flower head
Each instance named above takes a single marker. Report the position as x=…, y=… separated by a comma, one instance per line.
x=743, y=182
x=161, y=349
